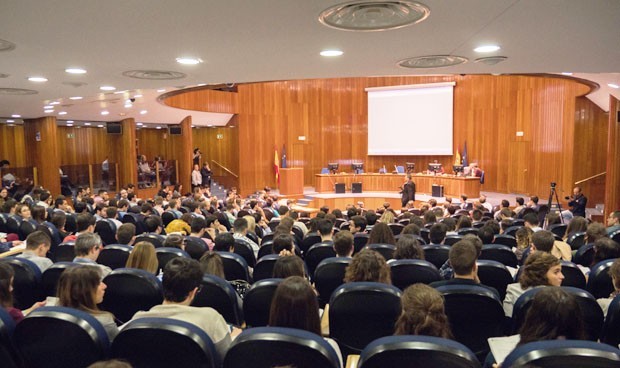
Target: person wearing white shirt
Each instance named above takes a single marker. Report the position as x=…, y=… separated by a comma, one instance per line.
x=196, y=177
x=37, y=246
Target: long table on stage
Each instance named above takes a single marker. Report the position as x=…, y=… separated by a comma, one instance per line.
x=454, y=186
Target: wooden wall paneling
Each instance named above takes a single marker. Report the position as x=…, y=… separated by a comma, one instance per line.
x=225, y=150
x=181, y=148
x=86, y=145
x=127, y=154
x=40, y=135
x=13, y=147
x=612, y=179
x=203, y=100
x=154, y=142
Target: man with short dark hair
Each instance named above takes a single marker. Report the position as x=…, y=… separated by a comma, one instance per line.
x=85, y=223
x=153, y=224
x=326, y=231
x=87, y=249
x=437, y=233
x=181, y=281
x=357, y=224
x=613, y=222
x=126, y=234
x=240, y=227
x=283, y=245
x=343, y=244
x=37, y=246
x=531, y=221
x=224, y=242
x=486, y=234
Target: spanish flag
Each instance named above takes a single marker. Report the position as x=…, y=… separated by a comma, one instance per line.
x=276, y=167
x=457, y=158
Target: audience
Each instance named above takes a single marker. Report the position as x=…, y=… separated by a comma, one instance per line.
x=407, y=247
x=287, y=266
x=423, y=313
x=368, y=265
x=37, y=246
x=614, y=273
x=143, y=257
x=211, y=264
x=7, y=275
x=381, y=234
x=343, y=244
x=87, y=249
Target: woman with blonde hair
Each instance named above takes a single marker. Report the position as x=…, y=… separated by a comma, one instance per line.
x=423, y=313
x=387, y=217
x=211, y=264
x=143, y=256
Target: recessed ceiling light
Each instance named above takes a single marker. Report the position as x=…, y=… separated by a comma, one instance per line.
x=119, y=92
x=210, y=125
x=37, y=79
x=139, y=124
x=48, y=107
x=69, y=125
x=75, y=71
x=100, y=125
x=55, y=103
x=487, y=48
x=331, y=53
x=143, y=112
x=49, y=111
x=567, y=73
x=188, y=61
x=161, y=90
x=107, y=88
x=137, y=96
x=16, y=116
x=105, y=112
x=10, y=121
x=201, y=84
x=128, y=105
x=76, y=98
x=87, y=124
x=62, y=113
x=69, y=121
x=613, y=85
x=158, y=127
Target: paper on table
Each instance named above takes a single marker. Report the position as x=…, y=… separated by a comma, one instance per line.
x=502, y=346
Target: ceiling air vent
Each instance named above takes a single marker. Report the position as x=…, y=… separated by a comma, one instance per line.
x=154, y=74
x=17, y=91
x=374, y=15
x=432, y=61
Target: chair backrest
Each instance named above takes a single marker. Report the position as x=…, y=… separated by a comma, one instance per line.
x=475, y=314
x=218, y=294
x=244, y=249
x=563, y=354
x=436, y=254
x=61, y=337
x=235, y=267
x=396, y=228
x=452, y=239
x=360, y=312
x=13, y=222
x=114, y=255
x=3, y=218
x=257, y=302
x=308, y=241
x=329, y=274
x=512, y=230
x=499, y=253
x=417, y=351
x=8, y=353
x=156, y=240
x=149, y=342
x=65, y=252
x=316, y=254
x=167, y=217
x=165, y=254
x=576, y=240
x=386, y=250
x=50, y=277
x=426, y=235
x=268, y=237
x=611, y=327
x=26, y=227
x=494, y=274
x=130, y=290
x=106, y=230
x=360, y=240
x=406, y=272
x=507, y=240
x=265, y=249
x=573, y=275
x=280, y=346
x=558, y=229
x=26, y=283
x=584, y=255
x=615, y=236
x=599, y=281
x=264, y=267
x=468, y=230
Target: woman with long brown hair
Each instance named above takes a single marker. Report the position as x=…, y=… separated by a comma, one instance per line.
x=423, y=313
x=381, y=234
x=368, y=265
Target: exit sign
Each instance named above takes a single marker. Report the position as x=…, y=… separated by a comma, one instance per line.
x=220, y=136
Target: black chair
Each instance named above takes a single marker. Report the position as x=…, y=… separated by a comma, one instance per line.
x=512, y=230
x=436, y=254
x=273, y=223
x=26, y=227
x=386, y=250
x=558, y=229
x=316, y=254
x=155, y=239
x=167, y=217
x=65, y=252
x=425, y=234
x=50, y=277
x=573, y=275
x=308, y=241
x=576, y=240
x=591, y=311
x=467, y=230
x=329, y=274
x=244, y=249
x=417, y=351
x=507, y=240
x=195, y=247
x=164, y=342
x=8, y=353
x=494, y=274
x=452, y=239
x=268, y=237
x=475, y=314
x=611, y=327
x=26, y=282
x=599, y=281
x=477, y=225
x=396, y=228
x=563, y=354
x=280, y=346
x=406, y=272
x=218, y=294
x=13, y=223
x=499, y=253
x=71, y=223
x=360, y=240
x=3, y=218
x=164, y=255
x=235, y=267
x=360, y=312
x=257, y=302
x=298, y=233
x=264, y=267
x=114, y=255
x=130, y=290
x=106, y=230
x=584, y=255
x=615, y=236
x=51, y=337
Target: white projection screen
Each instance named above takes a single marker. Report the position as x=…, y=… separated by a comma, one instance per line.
x=410, y=120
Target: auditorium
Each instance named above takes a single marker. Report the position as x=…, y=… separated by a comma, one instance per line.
x=310, y=183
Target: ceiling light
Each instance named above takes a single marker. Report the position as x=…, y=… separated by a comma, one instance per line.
x=567, y=73
x=87, y=124
x=107, y=88
x=62, y=113
x=69, y=121
x=105, y=112
x=48, y=107
x=55, y=103
x=49, y=111
x=137, y=96
x=188, y=61
x=10, y=121
x=69, y=125
x=37, y=79
x=158, y=127
x=331, y=53
x=16, y=116
x=76, y=98
x=139, y=124
x=487, y=48
x=613, y=85
x=119, y=92
x=128, y=105
x=210, y=125
x=75, y=71
x=100, y=125
x=143, y=112
x=161, y=90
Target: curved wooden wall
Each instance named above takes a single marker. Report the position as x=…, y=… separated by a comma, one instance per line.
x=202, y=100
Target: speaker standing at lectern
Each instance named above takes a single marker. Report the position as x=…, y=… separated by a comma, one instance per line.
x=407, y=191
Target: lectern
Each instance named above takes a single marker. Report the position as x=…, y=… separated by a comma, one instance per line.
x=292, y=181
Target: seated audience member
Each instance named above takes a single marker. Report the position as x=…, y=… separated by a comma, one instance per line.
x=488, y=206
x=613, y=222
x=423, y=313
x=112, y=363
x=462, y=257
x=85, y=223
x=326, y=231
x=531, y=221
x=296, y=294
x=288, y=266
x=411, y=229
x=153, y=224
x=507, y=212
x=224, y=242
x=371, y=219
x=533, y=203
x=144, y=257
x=357, y=224
x=343, y=244
x=181, y=280
x=614, y=272
x=295, y=216
x=595, y=231
x=486, y=234
x=368, y=265
x=81, y=288
x=198, y=229
x=181, y=226
x=211, y=264
x=381, y=234
x=544, y=241
x=407, y=247
x=283, y=245
x=240, y=226
x=175, y=241
x=605, y=248
x=87, y=249
x=463, y=223
x=445, y=271
x=540, y=269
x=7, y=275
x=429, y=218
x=437, y=233
x=524, y=239
x=577, y=225
x=112, y=215
x=387, y=217
x=126, y=234
x=59, y=219
x=450, y=226
x=37, y=246
x=520, y=205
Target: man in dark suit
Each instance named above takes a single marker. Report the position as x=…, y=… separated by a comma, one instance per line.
x=408, y=191
x=578, y=202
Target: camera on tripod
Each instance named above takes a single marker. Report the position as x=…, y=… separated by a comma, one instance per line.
x=553, y=184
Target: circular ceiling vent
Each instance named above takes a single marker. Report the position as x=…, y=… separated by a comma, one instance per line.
x=374, y=15
x=17, y=91
x=6, y=45
x=432, y=61
x=74, y=84
x=154, y=74
x=491, y=60
x=3, y=75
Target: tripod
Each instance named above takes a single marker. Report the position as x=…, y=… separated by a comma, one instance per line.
x=554, y=193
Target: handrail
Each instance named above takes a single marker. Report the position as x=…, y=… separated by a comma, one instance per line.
x=225, y=169
x=590, y=178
